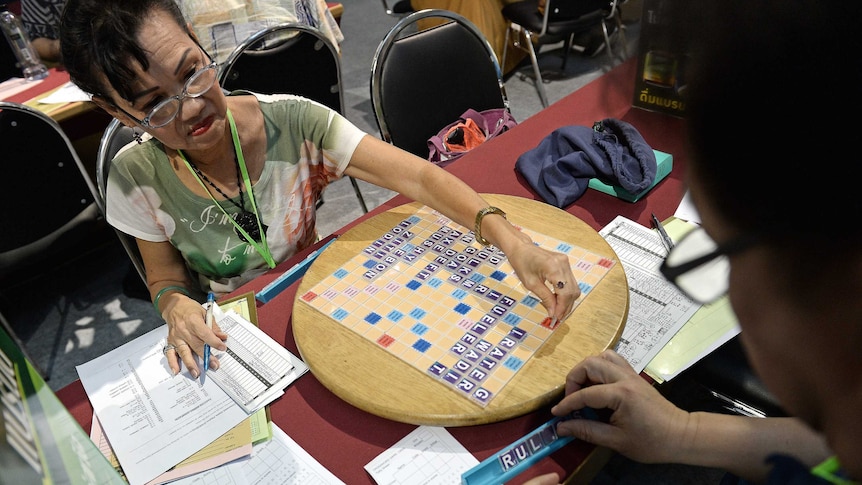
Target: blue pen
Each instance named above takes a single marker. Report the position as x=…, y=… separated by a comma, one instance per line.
x=209, y=321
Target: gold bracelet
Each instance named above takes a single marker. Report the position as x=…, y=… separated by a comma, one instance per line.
x=477, y=228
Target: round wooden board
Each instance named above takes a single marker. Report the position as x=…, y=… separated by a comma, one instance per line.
x=370, y=378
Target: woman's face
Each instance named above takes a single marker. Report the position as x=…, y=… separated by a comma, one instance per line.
x=174, y=57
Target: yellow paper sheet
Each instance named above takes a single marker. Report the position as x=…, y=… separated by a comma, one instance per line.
x=244, y=306
x=708, y=328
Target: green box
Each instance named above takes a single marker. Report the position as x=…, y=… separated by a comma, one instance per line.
x=664, y=164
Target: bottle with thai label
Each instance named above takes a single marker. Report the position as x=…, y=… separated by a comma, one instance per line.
x=31, y=65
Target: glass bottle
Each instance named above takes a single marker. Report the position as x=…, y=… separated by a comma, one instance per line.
x=28, y=60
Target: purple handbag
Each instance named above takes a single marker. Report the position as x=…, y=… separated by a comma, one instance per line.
x=471, y=129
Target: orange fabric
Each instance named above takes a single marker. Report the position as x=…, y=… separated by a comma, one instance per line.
x=488, y=17
x=470, y=136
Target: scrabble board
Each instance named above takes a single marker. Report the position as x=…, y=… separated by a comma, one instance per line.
x=426, y=292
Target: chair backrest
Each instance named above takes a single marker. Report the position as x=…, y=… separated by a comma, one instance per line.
x=422, y=81
x=51, y=200
x=116, y=136
x=287, y=58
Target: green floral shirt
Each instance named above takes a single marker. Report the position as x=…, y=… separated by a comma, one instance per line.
x=308, y=146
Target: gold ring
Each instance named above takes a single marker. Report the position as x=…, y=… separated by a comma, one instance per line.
x=561, y=285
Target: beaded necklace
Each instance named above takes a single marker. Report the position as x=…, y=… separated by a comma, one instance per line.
x=247, y=224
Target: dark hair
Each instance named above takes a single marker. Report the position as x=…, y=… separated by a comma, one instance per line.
x=99, y=37
x=770, y=107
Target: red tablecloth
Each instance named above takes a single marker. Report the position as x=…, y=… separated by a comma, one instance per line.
x=55, y=79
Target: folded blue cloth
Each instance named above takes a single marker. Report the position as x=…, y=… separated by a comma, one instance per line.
x=559, y=169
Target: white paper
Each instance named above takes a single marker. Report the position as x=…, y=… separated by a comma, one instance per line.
x=281, y=461
x=154, y=420
x=657, y=309
x=686, y=209
x=97, y=434
x=67, y=93
x=428, y=455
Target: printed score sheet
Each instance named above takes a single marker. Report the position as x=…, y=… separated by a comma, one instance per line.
x=429, y=455
x=657, y=309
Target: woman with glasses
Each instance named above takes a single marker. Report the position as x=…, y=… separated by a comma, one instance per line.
x=224, y=187
x=781, y=236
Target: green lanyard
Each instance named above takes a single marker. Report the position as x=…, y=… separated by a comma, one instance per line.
x=262, y=248
x=830, y=471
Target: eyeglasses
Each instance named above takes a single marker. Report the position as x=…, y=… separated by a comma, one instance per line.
x=196, y=86
x=700, y=267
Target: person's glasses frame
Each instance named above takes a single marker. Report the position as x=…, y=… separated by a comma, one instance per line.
x=674, y=272
x=208, y=70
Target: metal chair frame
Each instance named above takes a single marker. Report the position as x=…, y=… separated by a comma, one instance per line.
x=115, y=137
x=531, y=41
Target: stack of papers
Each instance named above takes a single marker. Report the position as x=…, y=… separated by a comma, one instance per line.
x=154, y=420
x=279, y=461
x=666, y=332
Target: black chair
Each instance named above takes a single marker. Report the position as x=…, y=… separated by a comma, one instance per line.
x=117, y=136
x=289, y=58
x=52, y=211
x=422, y=81
x=558, y=21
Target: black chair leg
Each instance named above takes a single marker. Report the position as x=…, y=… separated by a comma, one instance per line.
x=567, y=49
x=359, y=195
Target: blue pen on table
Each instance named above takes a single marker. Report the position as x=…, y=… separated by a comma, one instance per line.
x=209, y=321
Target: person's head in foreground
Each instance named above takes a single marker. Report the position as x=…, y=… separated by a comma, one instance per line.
x=772, y=171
